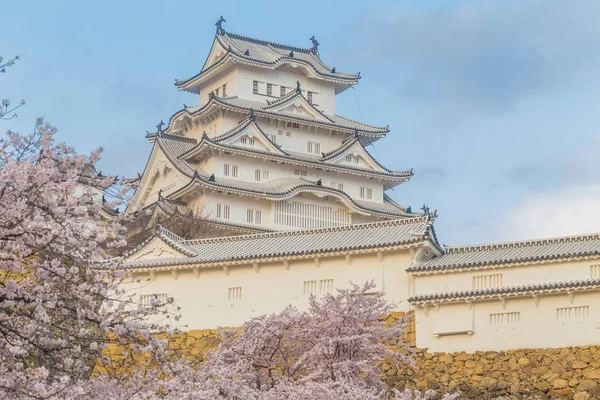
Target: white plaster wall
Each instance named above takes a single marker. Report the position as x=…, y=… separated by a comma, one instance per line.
x=325, y=91
x=229, y=77
x=511, y=276
x=204, y=301
x=539, y=326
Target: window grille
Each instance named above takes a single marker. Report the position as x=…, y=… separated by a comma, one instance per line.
x=154, y=299
x=293, y=125
x=595, y=271
x=366, y=193
x=349, y=158
x=309, y=216
x=225, y=90
x=272, y=138
x=247, y=140
x=254, y=216
x=309, y=97
x=217, y=92
x=326, y=286
x=234, y=294
x=281, y=91
x=255, y=87
x=313, y=147
x=260, y=175
x=269, y=89
x=337, y=185
x=300, y=172
x=223, y=211
x=572, y=313
x=487, y=281
x=310, y=287
x=288, y=134
x=230, y=170
x=507, y=318
x=280, y=133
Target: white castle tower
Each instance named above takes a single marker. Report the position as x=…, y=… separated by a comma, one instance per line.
x=265, y=150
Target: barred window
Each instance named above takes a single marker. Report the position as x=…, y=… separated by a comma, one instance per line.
x=154, y=299
x=487, y=281
x=230, y=170
x=507, y=318
x=300, y=172
x=281, y=91
x=234, y=294
x=269, y=89
x=572, y=313
x=313, y=147
x=254, y=216
x=255, y=87
x=223, y=211
x=326, y=286
x=225, y=90
x=310, y=287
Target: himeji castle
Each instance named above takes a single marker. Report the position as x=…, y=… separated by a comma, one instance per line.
x=262, y=195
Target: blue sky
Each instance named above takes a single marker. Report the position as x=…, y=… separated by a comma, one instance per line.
x=496, y=105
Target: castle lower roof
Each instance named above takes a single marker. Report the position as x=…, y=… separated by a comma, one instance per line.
x=506, y=292
x=266, y=246
x=495, y=254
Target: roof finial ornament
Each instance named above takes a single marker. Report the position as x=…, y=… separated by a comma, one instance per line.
x=425, y=209
x=159, y=194
x=315, y=44
x=251, y=116
x=211, y=178
x=158, y=224
x=356, y=133
x=247, y=52
x=319, y=183
x=196, y=175
x=298, y=87
x=411, y=172
x=219, y=23
x=333, y=70
x=291, y=54
x=159, y=127
x=408, y=210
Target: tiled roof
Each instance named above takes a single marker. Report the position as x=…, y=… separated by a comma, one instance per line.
x=260, y=108
x=513, y=252
x=295, y=243
x=509, y=291
x=270, y=54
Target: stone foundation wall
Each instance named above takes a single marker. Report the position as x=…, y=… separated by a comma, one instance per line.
x=567, y=373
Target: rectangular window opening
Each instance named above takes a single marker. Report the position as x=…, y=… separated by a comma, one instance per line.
x=234, y=294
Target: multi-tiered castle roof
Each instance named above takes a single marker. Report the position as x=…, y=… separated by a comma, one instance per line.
x=265, y=150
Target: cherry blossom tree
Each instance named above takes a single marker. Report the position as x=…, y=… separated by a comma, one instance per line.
x=6, y=107
x=331, y=351
x=59, y=312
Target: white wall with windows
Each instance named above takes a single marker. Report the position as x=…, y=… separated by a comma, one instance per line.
x=554, y=321
x=215, y=297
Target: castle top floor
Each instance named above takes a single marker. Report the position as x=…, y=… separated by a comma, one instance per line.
x=264, y=71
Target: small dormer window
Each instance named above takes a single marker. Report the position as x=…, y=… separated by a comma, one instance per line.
x=281, y=91
x=225, y=90
x=269, y=89
x=247, y=140
x=348, y=158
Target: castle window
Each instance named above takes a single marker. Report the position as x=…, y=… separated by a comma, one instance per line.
x=300, y=172
x=487, y=281
x=223, y=211
x=272, y=138
x=310, y=287
x=260, y=175
x=309, y=97
x=313, y=147
x=309, y=216
x=326, y=286
x=230, y=170
x=234, y=294
x=293, y=125
x=337, y=185
x=349, y=158
x=269, y=89
x=281, y=91
x=247, y=140
x=572, y=313
x=503, y=319
x=255, y=87
x=280, y=133
x=288, y=134
x=154, y=299
x=225, y=90
x=595, y=271
x=217, y=92
x=366, y=193
x=254, y=216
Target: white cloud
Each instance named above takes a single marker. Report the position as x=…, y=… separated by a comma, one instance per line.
x=570, y=212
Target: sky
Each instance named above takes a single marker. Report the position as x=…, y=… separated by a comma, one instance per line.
x=495, y=104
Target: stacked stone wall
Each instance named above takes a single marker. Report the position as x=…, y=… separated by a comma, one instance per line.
x=563, y=373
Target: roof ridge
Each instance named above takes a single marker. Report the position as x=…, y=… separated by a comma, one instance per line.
x=372, y=126
x=266, y=42
x=402, y=221
x=521, y=243
x=177, y=137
